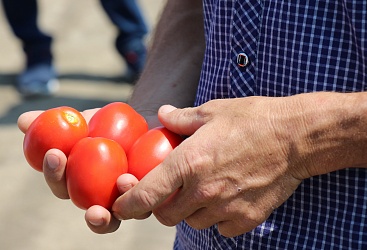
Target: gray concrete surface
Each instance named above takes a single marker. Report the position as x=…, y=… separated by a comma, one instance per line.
x=30, y=216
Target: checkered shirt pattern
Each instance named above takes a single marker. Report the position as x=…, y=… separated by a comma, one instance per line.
x=293, y=47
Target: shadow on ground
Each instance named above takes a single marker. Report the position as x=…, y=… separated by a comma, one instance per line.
x=11, y=116
x=10, y=78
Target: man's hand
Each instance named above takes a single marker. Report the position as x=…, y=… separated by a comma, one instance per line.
x=55, y=161
x=244, y=157
x=235, y=168
x=98, y=219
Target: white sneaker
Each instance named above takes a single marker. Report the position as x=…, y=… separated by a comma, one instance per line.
x=39, y=80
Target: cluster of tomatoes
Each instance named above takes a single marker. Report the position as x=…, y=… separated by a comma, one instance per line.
x=115, y=141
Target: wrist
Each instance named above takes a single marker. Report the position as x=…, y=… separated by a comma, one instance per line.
x=332, y=134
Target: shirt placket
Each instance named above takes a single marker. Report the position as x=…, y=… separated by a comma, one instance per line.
x=244, y=37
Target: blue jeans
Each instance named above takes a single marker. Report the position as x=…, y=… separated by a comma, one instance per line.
x=125, y=14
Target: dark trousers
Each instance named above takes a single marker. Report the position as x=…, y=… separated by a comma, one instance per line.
x=22, y=17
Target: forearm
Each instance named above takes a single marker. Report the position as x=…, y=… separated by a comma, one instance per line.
x=174, y=59
x=330, y=132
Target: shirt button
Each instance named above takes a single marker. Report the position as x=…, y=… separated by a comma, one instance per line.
x=242, y=60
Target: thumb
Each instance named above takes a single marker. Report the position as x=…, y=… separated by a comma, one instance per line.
x=150, y=192
x=180, y=121
x=26, y=119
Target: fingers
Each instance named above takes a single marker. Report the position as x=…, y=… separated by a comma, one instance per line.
x=54, y=172
x=100, y=220
x=229, y=229
x=232, y=228
x=25, y=119
x=179, y=206
x=89, y=113
x=165, y=179
x=54, y=161
x=181, y=121
x=230, y=222
x=151, y=191
x=125, y=182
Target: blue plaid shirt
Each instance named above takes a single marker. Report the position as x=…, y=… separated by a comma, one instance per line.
x=293, y=46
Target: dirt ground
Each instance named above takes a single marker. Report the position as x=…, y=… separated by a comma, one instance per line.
x=88, y=65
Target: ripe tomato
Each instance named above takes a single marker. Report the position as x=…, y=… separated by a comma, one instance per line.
x=150, y=150
x=57, y=128
x=119, y=122
x=93, y=166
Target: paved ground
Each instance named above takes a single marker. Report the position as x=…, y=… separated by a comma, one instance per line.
x=30, y=216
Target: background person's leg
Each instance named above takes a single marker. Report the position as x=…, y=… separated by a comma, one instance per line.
x=39, y=76
x=127, y=17
x=22, y=18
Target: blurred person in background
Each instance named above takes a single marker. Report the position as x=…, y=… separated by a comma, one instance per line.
x=39, y=77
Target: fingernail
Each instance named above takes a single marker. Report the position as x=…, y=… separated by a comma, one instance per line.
x=123, y=189
x=52, y=161
x=167, y=109
x=97, y=222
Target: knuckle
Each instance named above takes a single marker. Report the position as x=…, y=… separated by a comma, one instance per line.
x=145, y=201
x=241, y=220
x=191, y=162
x=234, y=228
x=164, y=218
x=195, y=224
x=61, y=193
x=228, y=229
x=198, y=223
x=191, y=166
x=253, y=217
x=211, y=107
x=205, y=194
x=204, y=111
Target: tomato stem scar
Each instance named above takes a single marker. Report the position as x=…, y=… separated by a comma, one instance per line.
x=71, y=118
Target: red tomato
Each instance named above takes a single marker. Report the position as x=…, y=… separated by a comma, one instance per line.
x=93, y=166
x=57, y=128
x=150, y=150
x=119, y=122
